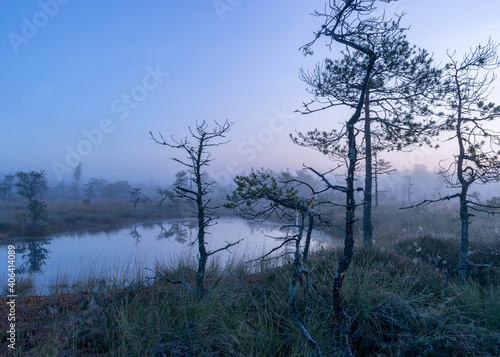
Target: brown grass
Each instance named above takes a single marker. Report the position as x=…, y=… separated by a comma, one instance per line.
x=71, y=215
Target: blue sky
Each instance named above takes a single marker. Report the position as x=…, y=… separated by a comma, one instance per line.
x=89, y=79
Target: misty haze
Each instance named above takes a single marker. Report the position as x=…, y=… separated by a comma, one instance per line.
x=234, y=178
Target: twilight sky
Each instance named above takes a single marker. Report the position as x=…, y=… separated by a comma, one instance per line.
x=87, y=80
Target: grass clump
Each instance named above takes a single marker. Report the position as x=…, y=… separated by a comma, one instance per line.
x=397, y=308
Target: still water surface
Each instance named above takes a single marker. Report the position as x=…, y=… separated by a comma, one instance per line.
x=65, y=257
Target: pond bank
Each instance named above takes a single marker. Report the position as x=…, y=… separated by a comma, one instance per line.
x=126, y=252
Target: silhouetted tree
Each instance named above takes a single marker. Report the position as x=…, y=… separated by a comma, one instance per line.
x=468, y=118
x=350, y=23
x=181, y=179
x=135, y=196
x=410, y=185
x=77, y=176
x=97, y=188
x=164, y=194
x=401, y=87
x=6, y=187
x=31, y=184
x=198, y=158
x=257, y=197
x=37, y=211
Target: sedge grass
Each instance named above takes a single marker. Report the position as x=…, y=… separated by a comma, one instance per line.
x=396, y=306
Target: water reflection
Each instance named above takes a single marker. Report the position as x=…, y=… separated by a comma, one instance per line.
x=80, y=254
x=181, y=231
x=279, y=228
x=34, y=254
x=135, y=235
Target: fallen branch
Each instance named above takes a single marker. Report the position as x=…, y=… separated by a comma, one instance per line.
x=178, y=281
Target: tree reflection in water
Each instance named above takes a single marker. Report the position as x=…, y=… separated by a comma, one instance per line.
x=135, y=235
x=35, y=253
x=179, y=230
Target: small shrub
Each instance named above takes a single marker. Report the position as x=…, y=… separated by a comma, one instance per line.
x=438, y=252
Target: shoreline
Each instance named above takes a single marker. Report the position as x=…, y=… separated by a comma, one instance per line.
x=67, y=216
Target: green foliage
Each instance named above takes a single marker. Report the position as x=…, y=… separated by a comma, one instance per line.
x=258, y=186
x=403, y=87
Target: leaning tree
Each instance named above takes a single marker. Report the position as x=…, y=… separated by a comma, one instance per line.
x=468, y=117
x=401, y=88
x=197, y=159
x=351, y=23
x=260, y=196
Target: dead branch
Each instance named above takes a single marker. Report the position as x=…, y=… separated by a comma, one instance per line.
x=427, y=202
x=178, y=281
x=229, y=245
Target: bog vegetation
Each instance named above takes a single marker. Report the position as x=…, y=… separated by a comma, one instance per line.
x=394, y=295
x=425, y=281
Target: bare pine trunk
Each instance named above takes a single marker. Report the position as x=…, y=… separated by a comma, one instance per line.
x=464, y=238
x=202, y=260
x=196, y=160
x=308, y=238
x=367, y=199
x=375, y=176
x=464, y=183
x=345, y=260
